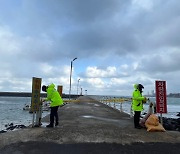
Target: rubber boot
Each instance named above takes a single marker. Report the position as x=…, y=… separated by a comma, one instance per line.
x=50, y=126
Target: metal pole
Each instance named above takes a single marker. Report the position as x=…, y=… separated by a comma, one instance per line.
x=121, y=107
x=33, y=119
x=70, y=78
x=85, y=92
x=161, y=119
x=70, y=82
x=81, y=91
x=78, y=87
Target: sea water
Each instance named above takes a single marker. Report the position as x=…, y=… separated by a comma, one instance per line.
x=11, y=111
x=173, y=105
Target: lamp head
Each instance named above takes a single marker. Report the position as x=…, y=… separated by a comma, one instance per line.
x=74, y=59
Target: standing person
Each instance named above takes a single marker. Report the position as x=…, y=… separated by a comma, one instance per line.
x=54, y=97
x=137, y=103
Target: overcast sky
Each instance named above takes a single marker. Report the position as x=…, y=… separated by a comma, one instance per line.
x=117, y=43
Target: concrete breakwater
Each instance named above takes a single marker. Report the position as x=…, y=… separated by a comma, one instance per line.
x=29, y=94
x=89, y=122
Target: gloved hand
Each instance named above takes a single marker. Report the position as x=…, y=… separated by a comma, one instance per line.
x=145, y=100
x=43, y=100
x=139, y=104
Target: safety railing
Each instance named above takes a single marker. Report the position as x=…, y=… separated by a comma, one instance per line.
x=115, y=102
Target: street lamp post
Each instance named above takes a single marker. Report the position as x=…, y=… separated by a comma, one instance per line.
x=78, y=86
x=85, y=92
x=81, y=92
x=70, y=78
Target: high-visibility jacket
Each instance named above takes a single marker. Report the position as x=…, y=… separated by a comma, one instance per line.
x=137, y=99
x=53, y=96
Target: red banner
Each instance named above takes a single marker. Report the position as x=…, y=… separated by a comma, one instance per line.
x=161, y=101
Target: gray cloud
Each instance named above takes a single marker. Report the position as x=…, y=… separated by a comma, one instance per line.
x=143, y=36
x=163, y=62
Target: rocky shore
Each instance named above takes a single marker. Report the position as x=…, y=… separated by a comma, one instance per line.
x=11, y=127
x=171, y=124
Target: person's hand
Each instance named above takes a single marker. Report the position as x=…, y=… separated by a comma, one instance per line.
x=43, y=100
x=139, y=104
x=144, y=101
x=151, y=104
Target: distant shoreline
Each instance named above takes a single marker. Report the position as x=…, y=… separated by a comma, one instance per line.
x=170, y=96
x=28, y=94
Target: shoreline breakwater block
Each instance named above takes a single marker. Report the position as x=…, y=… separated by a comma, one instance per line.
x=171, y=124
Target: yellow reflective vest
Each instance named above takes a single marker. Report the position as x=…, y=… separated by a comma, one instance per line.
x=53, y=96
x=137, y=100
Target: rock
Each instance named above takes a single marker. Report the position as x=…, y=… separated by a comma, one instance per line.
x=11, y=126
x=171, y=124
x=178, y=114
x=20, y=126
x=3, y=131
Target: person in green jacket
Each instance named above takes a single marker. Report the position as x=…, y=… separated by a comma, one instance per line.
x=137, y=103
x=54, y=97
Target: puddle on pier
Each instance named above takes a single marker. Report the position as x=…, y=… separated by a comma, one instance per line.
x=120, y=122
x=100, y=118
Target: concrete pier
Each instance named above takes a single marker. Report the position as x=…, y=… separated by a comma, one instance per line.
x=89, y=126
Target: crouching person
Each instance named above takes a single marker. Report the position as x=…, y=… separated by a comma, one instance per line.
x=54, y=97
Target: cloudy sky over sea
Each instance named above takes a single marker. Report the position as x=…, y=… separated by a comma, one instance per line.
x=117, y=43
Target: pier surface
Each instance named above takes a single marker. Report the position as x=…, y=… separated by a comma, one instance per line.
x=88, y=126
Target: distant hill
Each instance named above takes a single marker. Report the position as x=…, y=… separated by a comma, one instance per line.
x=177, y=95
x=28, y=94
x=174, y=95
x=19, y=94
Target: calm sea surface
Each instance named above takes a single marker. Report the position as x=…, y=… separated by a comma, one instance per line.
x=11, y=109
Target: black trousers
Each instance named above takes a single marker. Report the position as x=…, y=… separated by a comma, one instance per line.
x=136, y=118
x=54, y=113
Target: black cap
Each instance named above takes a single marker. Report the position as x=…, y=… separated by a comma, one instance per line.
x=44, y=88
x=140, y=86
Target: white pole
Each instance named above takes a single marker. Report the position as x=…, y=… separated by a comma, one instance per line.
x=33, y=119
x=121, y=106
x=78, y=87
x=70, y=78
x=161, y=119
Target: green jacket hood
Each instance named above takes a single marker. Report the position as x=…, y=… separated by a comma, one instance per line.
x=135, y=86
x=53, y=96
x=51, y=85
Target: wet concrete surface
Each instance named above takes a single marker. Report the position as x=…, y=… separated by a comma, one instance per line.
x=89, y=127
